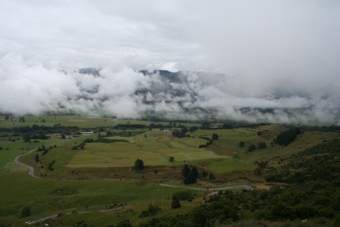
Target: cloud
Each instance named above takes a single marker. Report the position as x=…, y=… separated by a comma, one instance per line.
x=237, y=58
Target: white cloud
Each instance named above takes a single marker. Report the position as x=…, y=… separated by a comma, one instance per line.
x=274, y=54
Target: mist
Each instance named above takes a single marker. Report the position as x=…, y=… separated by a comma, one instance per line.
x=256, y=61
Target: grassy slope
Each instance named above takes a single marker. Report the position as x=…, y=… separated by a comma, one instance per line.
x=89, y=195
x=18, y=190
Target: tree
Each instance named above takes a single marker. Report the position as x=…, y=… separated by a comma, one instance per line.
x=189, y=174
x=36, y=158
x=139, y=164
x=185, y=171
x=26, y=212
x=27, y=137
x=251, y=148
x=171, y=159
x=242, y=144
x=175, y=204
x=262, y=145
x=124, y=223
x=287, y=137
x=214, y=136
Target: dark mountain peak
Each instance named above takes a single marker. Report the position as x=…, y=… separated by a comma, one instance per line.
x=164, y=74
x=90, y=71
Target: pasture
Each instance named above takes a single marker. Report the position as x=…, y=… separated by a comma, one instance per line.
x=155, y=149
x=103, y=176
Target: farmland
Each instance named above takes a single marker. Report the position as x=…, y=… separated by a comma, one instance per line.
x=84, y=176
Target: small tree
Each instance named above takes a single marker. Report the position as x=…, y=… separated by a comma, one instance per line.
x=139, y=164
x=262, y=145
x=27, y=137
x=26, y=212
x=171, y=159
x=242, y=144
x=189, y=174
x=214, y=136
x=36, y=158
x=175, y=204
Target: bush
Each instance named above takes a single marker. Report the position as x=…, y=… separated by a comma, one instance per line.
x=189, y=174
x=175, y=204
x=183, y=195
x=25, y=212
x=287, y=137
x=262, y=145
x=152, y=210
x=251, y=148
x=139, y=164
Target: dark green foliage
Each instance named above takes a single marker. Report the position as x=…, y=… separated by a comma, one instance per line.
x=319, y=163
x=210, y=141
x=180, y=133
x=171, y=159
x=251, y=148
x=287, y=137
x=36, y=158
x=318, y=196
x=189, y=174
x=214, y=136
x=26, y=137
x=130, y=126
x=152, y=210
x=175, y=204
x=39, y=136
x=124, y=223
x=262, y=145
x=50, y=165
x=277, y=204
x=183, y=195
x=227, y=126
x=25, y=212
x=242, y=144
x=139, y=164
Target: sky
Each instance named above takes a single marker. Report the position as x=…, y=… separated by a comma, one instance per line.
x=259, y=53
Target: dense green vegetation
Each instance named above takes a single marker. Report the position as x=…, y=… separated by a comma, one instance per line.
x=319, y=196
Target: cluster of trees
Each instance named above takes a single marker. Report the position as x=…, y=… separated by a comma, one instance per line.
x=189, y=174
x=130, y=126
x=318, y=163
x=139, y=164
x=317, y=168
x=252, y=147
x=152, y=210
x=287, y=137
x=209, y=140
x=277, y=204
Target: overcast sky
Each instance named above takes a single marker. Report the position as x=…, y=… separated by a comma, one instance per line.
x=261, y=45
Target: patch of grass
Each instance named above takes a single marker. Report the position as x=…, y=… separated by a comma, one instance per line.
x=91, y=195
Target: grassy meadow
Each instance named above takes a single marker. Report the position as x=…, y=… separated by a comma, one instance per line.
x=100, y=175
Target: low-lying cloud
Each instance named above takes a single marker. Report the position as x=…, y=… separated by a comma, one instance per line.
x=255, y=60
x=31, y=88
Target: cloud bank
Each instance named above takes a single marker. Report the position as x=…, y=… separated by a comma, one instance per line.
x=244, y=60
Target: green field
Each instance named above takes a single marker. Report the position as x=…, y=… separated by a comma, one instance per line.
x=154, y=150
x=100, y=175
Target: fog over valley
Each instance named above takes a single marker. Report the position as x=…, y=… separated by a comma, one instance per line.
x=256, y=61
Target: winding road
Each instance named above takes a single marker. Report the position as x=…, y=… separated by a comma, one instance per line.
x=29, y=168
x=55, y=216
x=243, y=187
